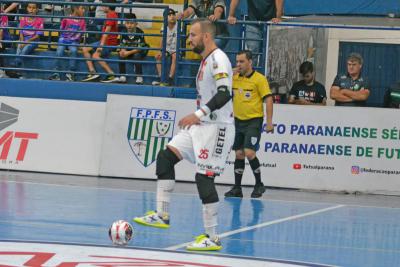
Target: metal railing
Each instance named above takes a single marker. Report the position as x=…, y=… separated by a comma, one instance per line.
x=181, y=62
x=12, y=43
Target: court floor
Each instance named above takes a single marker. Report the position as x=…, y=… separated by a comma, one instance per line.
x=284, y=227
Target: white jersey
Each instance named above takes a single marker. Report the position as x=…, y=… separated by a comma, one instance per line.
x=212, y=68
x=171, y=38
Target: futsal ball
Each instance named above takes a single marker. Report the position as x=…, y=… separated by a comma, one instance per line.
x=120, y=232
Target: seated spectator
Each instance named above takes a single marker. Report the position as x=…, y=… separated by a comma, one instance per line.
x=351, y=89
x=307, y=91
x=3, y=23
x=32, y=29
x=95, y=24
x=98, y=47
x=170, y=49
x=129, y=43
x=213, y=10
x=70, y=39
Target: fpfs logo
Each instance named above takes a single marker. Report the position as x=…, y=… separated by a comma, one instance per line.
x=12, y=142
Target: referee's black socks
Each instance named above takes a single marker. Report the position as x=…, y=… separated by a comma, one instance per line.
x=239, y=169
x=255, y=166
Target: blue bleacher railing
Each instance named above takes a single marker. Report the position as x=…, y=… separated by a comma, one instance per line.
x=185, y=68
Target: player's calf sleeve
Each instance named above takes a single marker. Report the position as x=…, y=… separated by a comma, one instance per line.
x=206, y=187
x=210, y=219
x=166, y=160
x=255, y=166
x=239, y=166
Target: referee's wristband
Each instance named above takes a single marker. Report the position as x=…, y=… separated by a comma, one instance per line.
x=203, y=111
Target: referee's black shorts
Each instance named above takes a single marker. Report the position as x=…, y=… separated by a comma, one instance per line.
x=247, y=134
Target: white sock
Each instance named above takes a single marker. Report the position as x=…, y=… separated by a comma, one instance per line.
x=210, y=219
x=164, y=190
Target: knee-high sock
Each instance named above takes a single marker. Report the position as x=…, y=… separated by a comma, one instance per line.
x=164, y=190
x=239, y=169
x=255, y=166
x=210, y=219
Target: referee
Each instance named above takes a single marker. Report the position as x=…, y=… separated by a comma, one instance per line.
x=250, y=92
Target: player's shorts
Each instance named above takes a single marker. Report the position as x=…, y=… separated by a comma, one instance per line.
x=207, y=145
x=247, y=134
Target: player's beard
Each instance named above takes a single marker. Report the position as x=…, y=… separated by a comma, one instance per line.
x=199, y=48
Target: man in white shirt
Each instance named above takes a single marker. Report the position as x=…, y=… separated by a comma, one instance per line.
x=206, y=138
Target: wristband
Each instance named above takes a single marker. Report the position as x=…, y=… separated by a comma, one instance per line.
x=203, y=111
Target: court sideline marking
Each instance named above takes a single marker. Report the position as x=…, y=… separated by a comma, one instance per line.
x=248, y=228
x=94, y=187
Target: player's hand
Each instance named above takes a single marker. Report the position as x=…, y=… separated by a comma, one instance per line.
x=269, y=128
x=188, y=121
x=232, y=20
x=98, y=50
x=276, y=20
x=122, y=53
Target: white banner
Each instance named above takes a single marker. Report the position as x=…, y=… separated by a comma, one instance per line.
x=51, y=135
x=322, y=148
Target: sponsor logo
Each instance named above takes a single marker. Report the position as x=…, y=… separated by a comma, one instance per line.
x=149, y=131
x=33, y=254
x=262, y=164
x=355, y=169
x=297, y=166
x=219, y=143
x=210, y=170
x=359, y=170
x=14, y=145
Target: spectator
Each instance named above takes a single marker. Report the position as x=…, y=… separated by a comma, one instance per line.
x=307, y=91
x=258, y=10
x=250, y=92
x=351, y=89
x=170, y=48
x=32, y=29
x=70, y=39
x=3, y=23
x=130, y=42
x=108, y=39
x=95, y=24
x=11, y=8
x=213, y=10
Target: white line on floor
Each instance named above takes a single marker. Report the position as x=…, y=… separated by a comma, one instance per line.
x=244, y=229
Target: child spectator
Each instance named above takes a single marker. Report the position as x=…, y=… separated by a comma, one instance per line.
x=3, y=23
x=70, y=38
x=170, y=48
x=31, y=29
x=130, y=42
x=101, y=51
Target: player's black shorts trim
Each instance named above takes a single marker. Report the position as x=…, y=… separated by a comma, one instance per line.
x=247, y=134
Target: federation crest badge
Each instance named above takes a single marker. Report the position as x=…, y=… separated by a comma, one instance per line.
x=253, y=140
x=149, y=131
